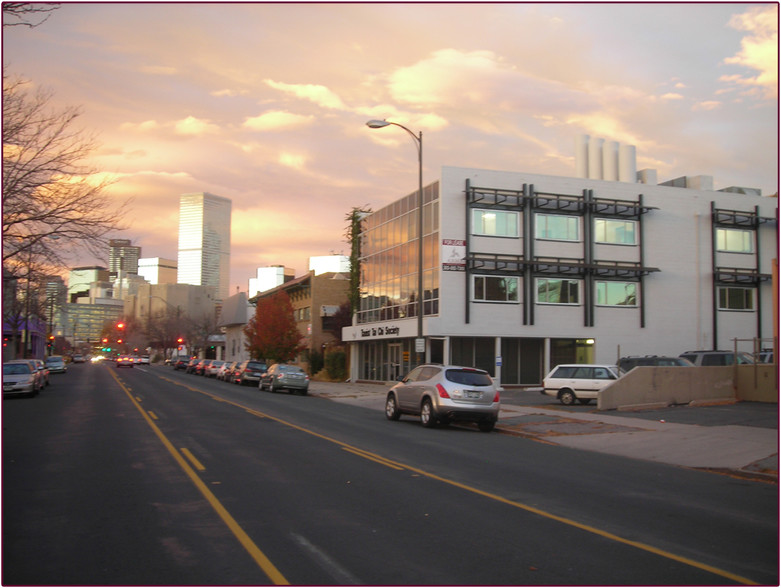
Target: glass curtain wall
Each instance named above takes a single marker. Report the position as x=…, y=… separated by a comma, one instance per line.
x=389, y=259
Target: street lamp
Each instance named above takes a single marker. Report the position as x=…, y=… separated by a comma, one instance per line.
x=378, y=124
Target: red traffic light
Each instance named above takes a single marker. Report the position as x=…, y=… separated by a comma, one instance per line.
x=120, y=325
x=180, y=340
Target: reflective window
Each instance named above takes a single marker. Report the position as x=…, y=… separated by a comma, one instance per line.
x=495, y=223
x=495, y=288
x=557, y=227
x=735, y=240
x=618, y=232
x=617, y=293
x=557, y=291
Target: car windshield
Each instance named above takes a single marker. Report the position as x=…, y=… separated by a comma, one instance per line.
x=468, y=377
x=261, y=367
x=16, y=368
x=290, y=369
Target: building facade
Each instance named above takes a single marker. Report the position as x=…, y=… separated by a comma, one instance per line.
x=315, y=299
x=123, y=257
x=157, y=270
x=525, y=271
x=204, y=242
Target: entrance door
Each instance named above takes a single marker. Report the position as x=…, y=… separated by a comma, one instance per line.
x=394, y=361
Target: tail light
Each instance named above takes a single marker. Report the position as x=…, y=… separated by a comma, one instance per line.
x=442, y=392
x=496, y=397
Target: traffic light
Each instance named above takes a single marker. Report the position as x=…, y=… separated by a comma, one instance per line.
x=120, y=325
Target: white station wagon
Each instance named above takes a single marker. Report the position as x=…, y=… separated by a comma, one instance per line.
x=579, y=381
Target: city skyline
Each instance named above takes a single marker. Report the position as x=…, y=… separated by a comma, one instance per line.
x=268, y=107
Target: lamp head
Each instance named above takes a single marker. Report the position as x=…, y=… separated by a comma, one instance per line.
x=377, y=124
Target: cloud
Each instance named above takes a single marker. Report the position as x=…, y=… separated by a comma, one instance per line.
x=671, y=96
x=228, y=92
x=758, y=52
x=276, y=120
x=320, y=95
x=148, y=125
x=707, y=105
x=159, y=70
x=195, y=126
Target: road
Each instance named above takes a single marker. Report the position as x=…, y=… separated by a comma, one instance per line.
x=151, y=476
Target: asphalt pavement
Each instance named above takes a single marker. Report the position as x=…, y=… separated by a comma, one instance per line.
x=739, y=438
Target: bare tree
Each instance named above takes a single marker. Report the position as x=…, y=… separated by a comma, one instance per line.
x=53, y=204
x=17, y=14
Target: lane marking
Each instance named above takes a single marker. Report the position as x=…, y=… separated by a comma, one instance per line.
x=371, y=457
x=257, y=555
x=153, y=415
x=563, y=520
x=193, y=460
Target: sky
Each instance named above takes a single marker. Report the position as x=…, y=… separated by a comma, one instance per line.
x=266, y=104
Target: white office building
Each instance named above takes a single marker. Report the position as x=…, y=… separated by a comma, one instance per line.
x=204, y=242
x=268, y=278
x=524, y=271
x=158, y=270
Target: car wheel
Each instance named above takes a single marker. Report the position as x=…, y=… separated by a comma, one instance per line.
x=486, y=426
x=427, y=417
x=391, y=408
x=584, y=401
x=567, y=397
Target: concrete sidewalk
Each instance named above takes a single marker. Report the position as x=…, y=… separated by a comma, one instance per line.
x=742, y=450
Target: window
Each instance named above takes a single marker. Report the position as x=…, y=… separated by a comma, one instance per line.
x=558, y=291
x=736, y=299
x=617, y=293
x=495, y=288
x=495, y=223
x=557, y=227
x=735, y=240
x=617, y=232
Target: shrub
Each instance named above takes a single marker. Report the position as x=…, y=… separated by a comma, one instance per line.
x=336, y=365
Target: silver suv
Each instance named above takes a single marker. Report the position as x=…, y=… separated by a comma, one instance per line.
x=445, y=393
x=717, y=357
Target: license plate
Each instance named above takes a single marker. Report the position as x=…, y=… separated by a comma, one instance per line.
x=473, y=394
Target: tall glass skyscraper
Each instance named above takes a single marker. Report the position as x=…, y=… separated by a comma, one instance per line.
x=205, y=242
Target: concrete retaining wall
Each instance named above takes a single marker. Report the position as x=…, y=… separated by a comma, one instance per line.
x=646, y=387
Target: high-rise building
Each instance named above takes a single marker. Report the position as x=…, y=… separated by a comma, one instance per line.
x=157, y=270
x=122, y=257
x=204, y=242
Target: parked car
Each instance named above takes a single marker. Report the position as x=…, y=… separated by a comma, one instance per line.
x=581, y=382
x=225, y=371
x=211, y=370
x=627, y=363
x=701, y=358
x=249, y=372
x=124, y=361
x=445, y=393
x=181, y=362
x=43, y=370
x=766, y=356
x=284, y=377
x=200, y=368
x=19, y=377
x=190, y=369
x=144, y=359
x=56, y=364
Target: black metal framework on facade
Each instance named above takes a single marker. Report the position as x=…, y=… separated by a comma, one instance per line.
x=737, y=276
x=527, y=201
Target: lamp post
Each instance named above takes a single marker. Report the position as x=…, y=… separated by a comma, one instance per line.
x=378, y=124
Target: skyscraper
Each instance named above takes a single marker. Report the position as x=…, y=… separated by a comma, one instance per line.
x=204, y=242
x=122, y=257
